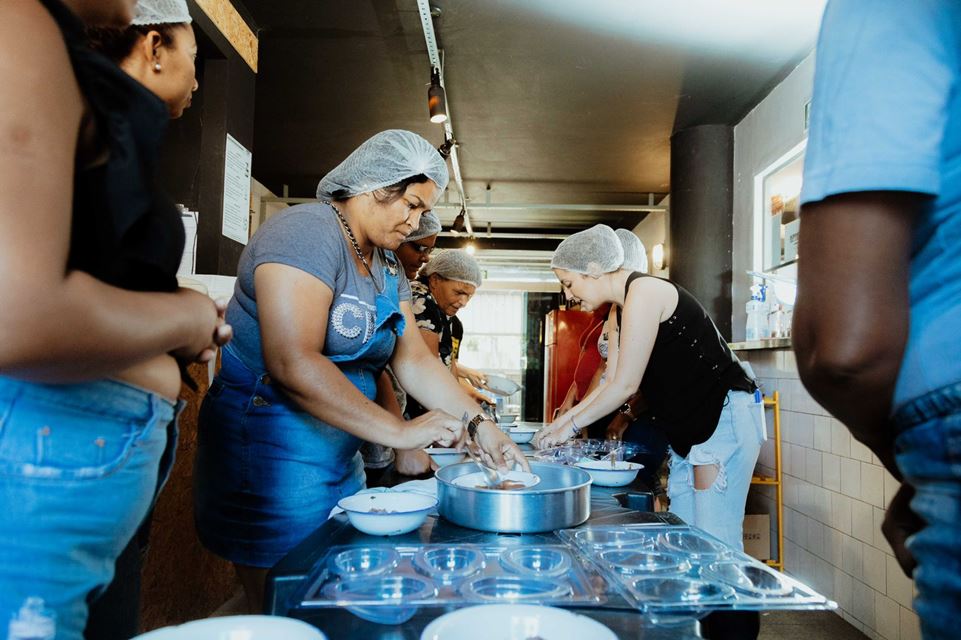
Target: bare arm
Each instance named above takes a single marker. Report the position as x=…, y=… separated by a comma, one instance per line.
x=293, y=307
x=409, y=462
x=475, y=377
x=58, y=325
x=851, y=316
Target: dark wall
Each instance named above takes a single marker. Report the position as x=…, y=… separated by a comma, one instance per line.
x=192, y=166
x=702, y=170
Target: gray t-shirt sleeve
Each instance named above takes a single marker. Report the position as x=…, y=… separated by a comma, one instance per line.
x=308, y=240
x=403, y=287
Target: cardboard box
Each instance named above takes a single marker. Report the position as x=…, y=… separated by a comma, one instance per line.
x=757, y=536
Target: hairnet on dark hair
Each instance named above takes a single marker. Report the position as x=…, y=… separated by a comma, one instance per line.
x=385, y=159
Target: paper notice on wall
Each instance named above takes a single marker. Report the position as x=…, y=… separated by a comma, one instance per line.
x=237, y=165
x=188, y=263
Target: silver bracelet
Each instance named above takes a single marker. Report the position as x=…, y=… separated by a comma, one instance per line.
x=577, y=429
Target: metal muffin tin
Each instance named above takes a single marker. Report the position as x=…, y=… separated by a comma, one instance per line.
x=561, y=499
x=666, y=570
x=450, y=574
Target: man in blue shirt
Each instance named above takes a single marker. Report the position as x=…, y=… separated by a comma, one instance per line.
x=878, y=315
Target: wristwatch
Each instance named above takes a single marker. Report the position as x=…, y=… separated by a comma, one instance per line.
x=474, y=423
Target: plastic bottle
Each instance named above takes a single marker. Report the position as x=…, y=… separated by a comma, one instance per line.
x=776, y=321
x=33, y=622
x=756, y=308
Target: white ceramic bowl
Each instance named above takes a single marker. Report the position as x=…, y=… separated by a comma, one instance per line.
x=238, y=628
x=444, y=456
x=514, y=622
x=509, y=418
x=387, y=514
x=522, y=435
x=604, y=474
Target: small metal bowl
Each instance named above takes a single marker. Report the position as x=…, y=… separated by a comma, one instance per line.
x=538, y=561
x=605, y=538
x=693, y=545
x=364, y=561
x=752, y=579
x=514, y=589
x=679, y=591
x=644, y=562
x=449, y=563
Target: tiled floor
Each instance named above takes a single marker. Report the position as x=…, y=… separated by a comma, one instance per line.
x=806, y=625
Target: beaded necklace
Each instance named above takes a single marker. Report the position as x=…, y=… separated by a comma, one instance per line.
x=354, y=243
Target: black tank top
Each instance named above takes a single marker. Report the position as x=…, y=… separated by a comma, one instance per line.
x=124, y=230
x=689, y=374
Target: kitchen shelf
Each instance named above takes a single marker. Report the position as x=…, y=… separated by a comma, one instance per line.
x=774, y=403
x=767, y=343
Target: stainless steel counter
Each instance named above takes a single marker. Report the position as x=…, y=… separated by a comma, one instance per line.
x=287, y=578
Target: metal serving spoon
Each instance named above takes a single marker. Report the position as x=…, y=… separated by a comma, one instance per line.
x=491, y=476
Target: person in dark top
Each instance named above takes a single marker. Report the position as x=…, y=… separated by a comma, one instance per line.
x=93, y=322
x=695, y=389
x=158, y=50
x=448, y=283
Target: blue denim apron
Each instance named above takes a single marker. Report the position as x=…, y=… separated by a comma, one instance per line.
x=267, y=472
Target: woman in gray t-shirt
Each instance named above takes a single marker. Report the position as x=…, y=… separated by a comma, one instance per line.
x=320, y=308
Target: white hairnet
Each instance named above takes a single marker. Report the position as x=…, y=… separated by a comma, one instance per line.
x=429, y=226
x=455, y=264
x=635, y=255
x=385, y=159
x=593, y=252
x=161, y=12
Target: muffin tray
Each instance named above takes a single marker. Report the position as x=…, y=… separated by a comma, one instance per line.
x=386, y=583
x=682, y=569
x=591, y=449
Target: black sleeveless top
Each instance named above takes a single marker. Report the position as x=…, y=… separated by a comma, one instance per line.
x=689, y=374
x=124, y=230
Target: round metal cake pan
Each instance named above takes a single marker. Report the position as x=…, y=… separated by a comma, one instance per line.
x=562, y=499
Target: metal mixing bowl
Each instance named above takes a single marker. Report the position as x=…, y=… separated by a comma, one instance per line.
x=562, y=499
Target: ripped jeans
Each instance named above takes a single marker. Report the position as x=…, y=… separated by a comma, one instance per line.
x=733, y=447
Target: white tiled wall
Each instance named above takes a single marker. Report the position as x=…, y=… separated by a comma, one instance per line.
x=835, y=491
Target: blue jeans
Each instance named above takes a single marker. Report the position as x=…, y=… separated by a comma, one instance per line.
x=928, y=453
x=733, y=447
x=79, y=468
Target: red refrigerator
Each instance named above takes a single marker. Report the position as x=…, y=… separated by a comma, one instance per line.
x=562, y=333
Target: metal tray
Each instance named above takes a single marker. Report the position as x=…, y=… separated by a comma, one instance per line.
x=666, y=570
x=561, y=499
x=387, y=584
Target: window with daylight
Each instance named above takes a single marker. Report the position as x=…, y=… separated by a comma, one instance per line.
x=494, y=337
